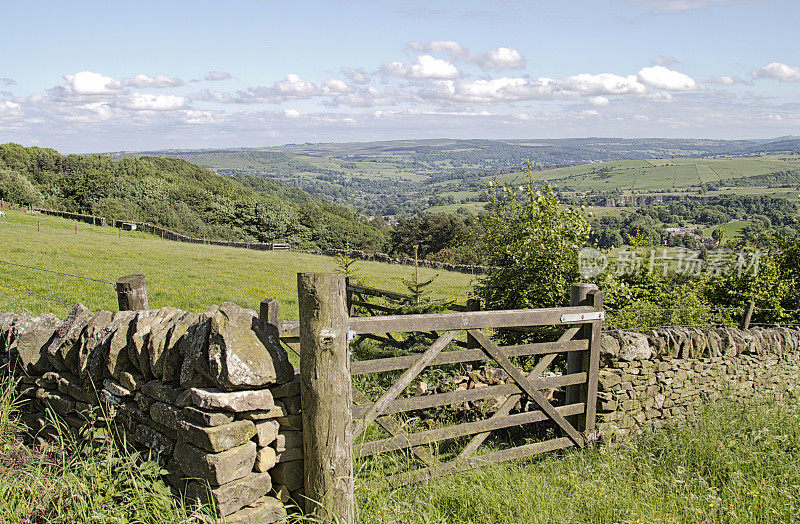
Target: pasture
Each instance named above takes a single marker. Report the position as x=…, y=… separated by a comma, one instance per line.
x=186, y=276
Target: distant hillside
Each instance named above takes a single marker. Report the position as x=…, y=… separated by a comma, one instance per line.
x=176, y=194
x=404, y=177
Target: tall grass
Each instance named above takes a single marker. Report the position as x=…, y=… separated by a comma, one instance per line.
x=86, y=478
x=733, y=463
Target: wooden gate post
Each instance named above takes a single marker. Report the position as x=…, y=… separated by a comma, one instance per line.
x=132, y=293
x=748, y=315
x=326, y=396
x=585, y=361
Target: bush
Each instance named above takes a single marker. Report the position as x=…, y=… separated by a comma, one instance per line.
x=18, y=189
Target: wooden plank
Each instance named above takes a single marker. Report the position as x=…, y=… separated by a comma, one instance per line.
x=527, y=386
x=452, y=321
x=528, y=450
x=375, y=292
x=289, y=328
x=402, y=405
x=425, y=438
x=380, y=365
x=394, y=429
x=466, y=320
x=373, y=307
x=511, y=401
x=403, y=382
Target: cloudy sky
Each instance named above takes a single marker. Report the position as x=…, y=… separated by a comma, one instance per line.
x=103, y=76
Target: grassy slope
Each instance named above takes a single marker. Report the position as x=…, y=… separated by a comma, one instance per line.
x=185, y=276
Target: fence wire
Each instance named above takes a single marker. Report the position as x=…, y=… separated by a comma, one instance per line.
x=36, y=295
x=59, y=273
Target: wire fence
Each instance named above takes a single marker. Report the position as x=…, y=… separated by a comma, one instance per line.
x=43, y=296
x=641, y=319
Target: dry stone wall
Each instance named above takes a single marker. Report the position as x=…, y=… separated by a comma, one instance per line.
x=212, y=396
x=648, y=380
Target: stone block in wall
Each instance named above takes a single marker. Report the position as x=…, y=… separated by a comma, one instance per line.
x=265, y=510
x=216, y=468
x=288, y=440
x=63, y=351
x=289, y=455
x=153, y=440
x=166, y=415
x=266, y=458
x=290, y=389
x=233, y=495
x=161, y=392
x=266, y=432
x=289, y=474
x=117, y=359
x=160, y=328
x=293, y=422
x=217, y=438
x=204, y=417
x=243, y=353
x=91, y=345
x=29, y=337
x=235, y=401
x=116, y=389
x=171, y=359
x=61, y=404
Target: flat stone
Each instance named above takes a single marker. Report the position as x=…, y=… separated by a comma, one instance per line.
x=290, y=389
x=292, y=405
x=153, y=440
x=115, y=388
x=216, y=468
x=91, y=346
x=64, y=349
x=61, y=404
x=161, y=328
x=288, y=440
x=243, y=353
x=172, y=358
x=289, y=474
x=217, y=438
x=236, y=401
x=266, y=432
x=31, y=335
x=194, y=352
x=166, y=415
x=117, y=359
x=289, y=455
x=161, y=392
x=204, y=417
x=233, y=495
x=131, y=381
x=266, y=458
x=293, y=422
x=266, y=510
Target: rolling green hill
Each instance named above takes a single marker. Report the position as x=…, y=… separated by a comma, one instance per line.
x=404, y=177
x=178, y=195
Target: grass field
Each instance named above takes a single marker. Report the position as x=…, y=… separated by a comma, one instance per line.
x=187, y=276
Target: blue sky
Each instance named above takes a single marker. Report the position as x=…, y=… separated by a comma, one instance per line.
x=100, y=76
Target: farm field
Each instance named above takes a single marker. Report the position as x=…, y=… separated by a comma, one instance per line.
x=187, y=276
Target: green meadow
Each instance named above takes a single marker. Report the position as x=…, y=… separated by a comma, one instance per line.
x=187, y=276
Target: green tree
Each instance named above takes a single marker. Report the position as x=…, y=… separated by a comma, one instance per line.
x=534, y=244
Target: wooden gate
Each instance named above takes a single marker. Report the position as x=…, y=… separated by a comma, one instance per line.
x=574, y=417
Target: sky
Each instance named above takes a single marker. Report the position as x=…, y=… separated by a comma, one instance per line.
x=109, y=76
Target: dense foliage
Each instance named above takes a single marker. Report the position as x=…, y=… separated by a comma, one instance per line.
x=181, y=196
x=534, y=245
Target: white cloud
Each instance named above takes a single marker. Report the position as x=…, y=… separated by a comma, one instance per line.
x=665, y=61
x=216, y=76
x=603, y=84
x=426, y=67
x=159, y=81
x=661, y=96
x=290, y=88
x=8, y=81
x=662, y=78
x=148, y=102
x=599, y=101
x=356, y=76
x=779, y=71
x=291, y=113
x=500, y=59
x=10, y=109
x=671, y=6
x=89, y=83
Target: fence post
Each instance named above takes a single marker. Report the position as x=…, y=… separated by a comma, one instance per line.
x=473, y=304
x=326, y=396
x=132, y=293
x=269, y=312
x=748, y=315
x=585, y=361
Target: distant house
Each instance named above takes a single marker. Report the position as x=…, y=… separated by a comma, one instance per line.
x=129, y=226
